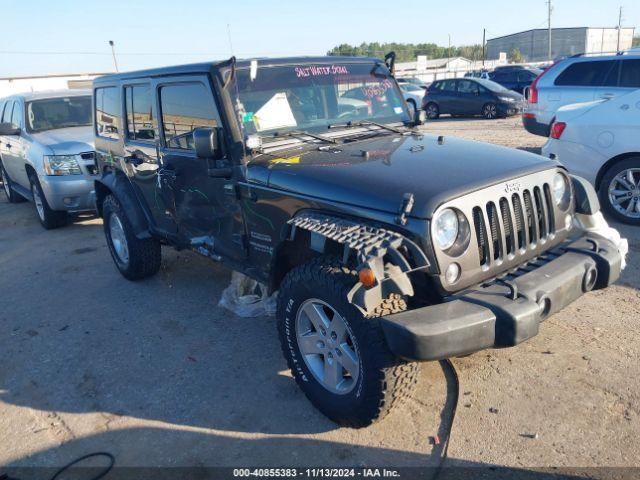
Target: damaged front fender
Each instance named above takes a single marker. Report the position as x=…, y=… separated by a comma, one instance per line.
x=390, y=255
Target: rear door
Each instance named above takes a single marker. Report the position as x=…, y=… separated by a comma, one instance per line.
x=141, y=150
x=446, y=96
x=204, y=206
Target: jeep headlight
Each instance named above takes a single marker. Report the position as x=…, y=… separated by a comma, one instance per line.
x=445, y=228
x=61, y=165
x=561, y=190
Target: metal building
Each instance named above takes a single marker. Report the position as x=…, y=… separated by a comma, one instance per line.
x=534, y=44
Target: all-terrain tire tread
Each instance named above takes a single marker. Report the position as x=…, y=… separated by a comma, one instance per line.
x=145, y=255
x=395, y=377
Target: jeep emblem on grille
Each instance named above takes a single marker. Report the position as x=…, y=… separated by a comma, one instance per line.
x=511, y=187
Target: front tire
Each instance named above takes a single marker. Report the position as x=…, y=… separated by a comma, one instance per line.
x=135, y=258
x=432, y=111
x=490, y=111
x=48, y=217
x=619, y=191
x=338, y=356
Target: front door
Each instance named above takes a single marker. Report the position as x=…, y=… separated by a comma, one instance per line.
x=205, y=207
x=468, y=101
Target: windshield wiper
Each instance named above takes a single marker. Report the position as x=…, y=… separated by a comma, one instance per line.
x=366, y=123
x=298, y=134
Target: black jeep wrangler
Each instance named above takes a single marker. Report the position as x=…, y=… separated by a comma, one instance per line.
x=387, y=246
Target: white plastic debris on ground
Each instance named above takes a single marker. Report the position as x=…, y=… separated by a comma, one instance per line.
x=247, y=298
x=598, y=225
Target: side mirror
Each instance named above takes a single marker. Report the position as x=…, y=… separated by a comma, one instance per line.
x=9, y=129
x=207, y=143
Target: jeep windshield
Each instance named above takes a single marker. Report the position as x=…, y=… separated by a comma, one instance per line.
x=54, y=113
x=281, y=100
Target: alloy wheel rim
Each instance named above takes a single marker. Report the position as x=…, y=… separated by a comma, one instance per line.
x=490, y=111
x=328, y=346
x=431, y=111
x=38, y=201
x=624, y=193
x=118, y=239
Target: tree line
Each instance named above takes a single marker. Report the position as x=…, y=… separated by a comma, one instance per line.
x=407, y=52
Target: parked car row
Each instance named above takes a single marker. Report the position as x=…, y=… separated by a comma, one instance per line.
x=387, y=246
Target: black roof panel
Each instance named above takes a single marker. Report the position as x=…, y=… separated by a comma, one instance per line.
x=205, y=67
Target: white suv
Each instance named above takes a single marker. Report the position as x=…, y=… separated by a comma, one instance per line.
x=578, y=79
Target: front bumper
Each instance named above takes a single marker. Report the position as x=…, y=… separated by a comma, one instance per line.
x=73, y=193
x=509, y=109
x=508, y=311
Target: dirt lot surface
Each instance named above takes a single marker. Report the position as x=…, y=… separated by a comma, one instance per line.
x=157, y=374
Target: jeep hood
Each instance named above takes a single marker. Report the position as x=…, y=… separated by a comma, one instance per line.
x=66, y=141
x=376, y=173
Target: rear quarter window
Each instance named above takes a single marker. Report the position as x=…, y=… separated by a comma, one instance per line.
x=630, y=73
x=107, y=120
x=586, y=74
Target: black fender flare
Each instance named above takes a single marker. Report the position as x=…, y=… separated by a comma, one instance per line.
x=390, y=255
x=118, y=185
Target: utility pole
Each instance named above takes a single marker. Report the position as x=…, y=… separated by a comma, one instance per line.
x=619, y=28
x=549, y=28
x=484, y=35
x=449, y=52
x=113, y=52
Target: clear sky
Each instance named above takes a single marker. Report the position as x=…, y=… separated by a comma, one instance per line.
x=68, y=36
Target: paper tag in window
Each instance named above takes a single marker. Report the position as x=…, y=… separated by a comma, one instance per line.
x=398, y=110
x=276, y=113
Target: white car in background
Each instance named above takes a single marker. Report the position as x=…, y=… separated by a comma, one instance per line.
x=600, y=141
x=412, y=94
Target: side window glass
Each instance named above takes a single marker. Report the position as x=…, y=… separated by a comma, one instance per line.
x=138, y=105
x=184, y=108
x=449, y=86
x=586, y=74
x=107, y=112
x=467, y=86
x=16, y=116
x=630, y=74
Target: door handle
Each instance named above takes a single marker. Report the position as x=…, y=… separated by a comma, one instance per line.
x=607, y=96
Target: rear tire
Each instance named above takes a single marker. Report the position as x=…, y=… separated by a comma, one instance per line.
x=12, y=196
x=432, y=110
x=371, y=380
x=616, y=185
x=48, y=218
x=135, y=258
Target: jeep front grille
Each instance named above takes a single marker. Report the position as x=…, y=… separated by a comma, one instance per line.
x=507, y=228
x=508, y=224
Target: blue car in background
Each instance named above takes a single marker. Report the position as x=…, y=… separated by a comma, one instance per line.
x=515, y=78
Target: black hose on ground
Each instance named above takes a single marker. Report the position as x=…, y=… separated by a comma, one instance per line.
x=447, y=367
x=107, y=469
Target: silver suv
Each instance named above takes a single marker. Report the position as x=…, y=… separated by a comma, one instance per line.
x=47, y=154
x=578, y=79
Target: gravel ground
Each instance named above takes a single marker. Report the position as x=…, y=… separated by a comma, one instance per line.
x=157, y=374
